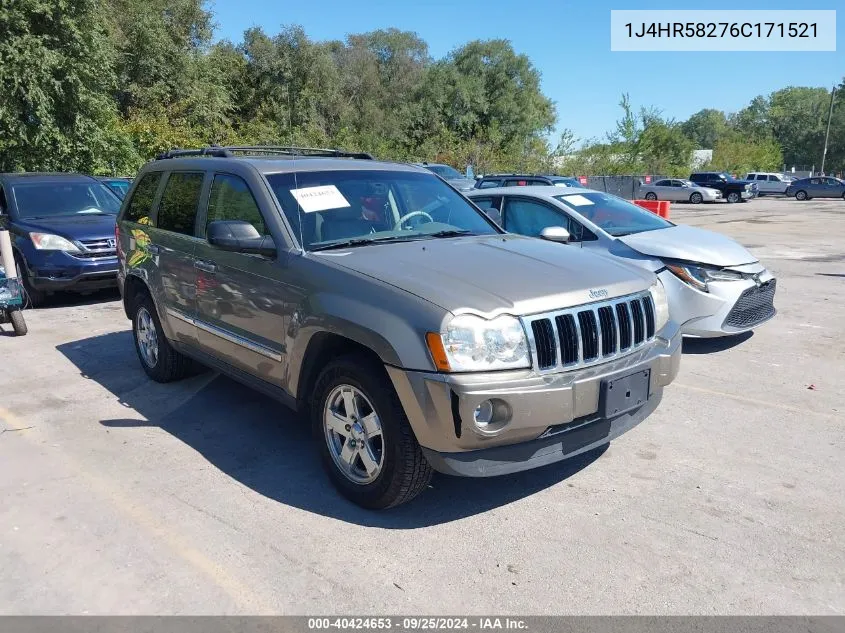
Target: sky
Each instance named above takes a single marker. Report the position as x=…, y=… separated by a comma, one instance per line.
x=569, y=43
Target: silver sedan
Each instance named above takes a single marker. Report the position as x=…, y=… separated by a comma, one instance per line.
x=715, y=286
x=679, y=190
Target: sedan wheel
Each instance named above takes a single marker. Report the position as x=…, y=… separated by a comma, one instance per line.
x=801, y=195
x=651, y=196
x=696, y=198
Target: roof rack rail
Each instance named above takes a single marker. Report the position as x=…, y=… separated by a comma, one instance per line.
x=257, y=150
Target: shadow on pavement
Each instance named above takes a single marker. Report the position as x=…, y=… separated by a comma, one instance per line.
x=712, y=345
x=70, y=299
x=267, y=447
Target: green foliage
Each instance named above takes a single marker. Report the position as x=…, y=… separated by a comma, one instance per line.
x=736, y=154
x=705, y=127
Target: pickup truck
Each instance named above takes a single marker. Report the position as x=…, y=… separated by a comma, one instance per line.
x=732, y=190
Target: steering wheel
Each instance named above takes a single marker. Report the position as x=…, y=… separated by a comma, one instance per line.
x=404, y=218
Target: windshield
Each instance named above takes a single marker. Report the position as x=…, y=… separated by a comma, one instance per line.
x=444, y=171
x=48, y=199
x=613, y=215
x=337, y=208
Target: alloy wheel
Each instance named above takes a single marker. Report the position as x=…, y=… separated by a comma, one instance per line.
x=353, y=433
x=147, y=337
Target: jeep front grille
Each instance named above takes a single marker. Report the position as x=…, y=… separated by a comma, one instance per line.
x=590, y=334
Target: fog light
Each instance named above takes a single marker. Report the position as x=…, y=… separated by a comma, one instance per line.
x=484, y=413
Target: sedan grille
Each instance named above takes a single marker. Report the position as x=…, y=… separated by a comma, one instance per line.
x=754, y=306
x=590, y=334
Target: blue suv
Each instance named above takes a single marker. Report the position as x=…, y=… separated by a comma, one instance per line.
x=62, y=229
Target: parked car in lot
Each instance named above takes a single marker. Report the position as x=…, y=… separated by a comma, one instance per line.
x=525, y=180
x=679, y=190
x=119, y=186
x=715, y=287
x=414, y=332
x=732, y=190
x=816, y=187
x=450, y=175
x=63, y=231
x=769, y=183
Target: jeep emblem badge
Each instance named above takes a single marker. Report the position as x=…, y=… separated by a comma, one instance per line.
x=598, y=293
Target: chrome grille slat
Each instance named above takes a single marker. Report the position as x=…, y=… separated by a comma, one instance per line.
x=590, y=334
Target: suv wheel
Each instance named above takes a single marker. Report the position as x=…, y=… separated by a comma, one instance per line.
x=158, y=358
x=801, y=195
x=696, y=198
x=366, y=442
x=733, y=196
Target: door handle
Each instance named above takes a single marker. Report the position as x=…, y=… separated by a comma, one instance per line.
x=207, y=267
x=155, y=250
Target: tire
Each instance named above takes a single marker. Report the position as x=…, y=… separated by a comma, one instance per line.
x=18, y=322
x=35, y=297
x=801, y=195
x=651, y=196
x=163, y=363
x=696, y=198
x=733, y=197
x=402, y=471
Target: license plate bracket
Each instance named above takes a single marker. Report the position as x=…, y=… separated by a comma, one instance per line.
x=620, y=395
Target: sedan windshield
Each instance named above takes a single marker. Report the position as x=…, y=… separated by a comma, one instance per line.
x=613, y=215
x=52, y=198
x=333, y=209
x=444, y=171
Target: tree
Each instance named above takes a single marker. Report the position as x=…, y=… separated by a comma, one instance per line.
x=705, y=127
x=56, y=82
x=737, y=154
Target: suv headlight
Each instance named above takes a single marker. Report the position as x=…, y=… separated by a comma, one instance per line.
x=471, y=343
x=698, y=276
x=661, y=305
x=50, y=242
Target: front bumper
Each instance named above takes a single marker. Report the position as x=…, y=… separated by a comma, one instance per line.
x=59, y=271
x=705, y=314
x=554, y=416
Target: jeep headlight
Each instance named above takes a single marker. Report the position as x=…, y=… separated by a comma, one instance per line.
x=661, y=305
x=471, y=343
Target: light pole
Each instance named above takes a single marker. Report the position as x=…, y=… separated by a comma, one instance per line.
x=827, y=134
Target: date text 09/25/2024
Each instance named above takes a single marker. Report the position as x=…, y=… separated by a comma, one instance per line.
x=417, y=623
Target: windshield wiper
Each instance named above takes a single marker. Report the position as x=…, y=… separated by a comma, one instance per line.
x=361, y=241
x=449, y=233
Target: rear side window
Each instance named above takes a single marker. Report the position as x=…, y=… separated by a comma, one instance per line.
x=774, y=179
x=231, y=199
x=141, y=204
x=489, y=184
x=177, y=210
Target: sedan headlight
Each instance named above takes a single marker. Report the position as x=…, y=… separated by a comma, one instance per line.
x=698, y=276
x=661, y=305
x=50, y=242
x=471, y=343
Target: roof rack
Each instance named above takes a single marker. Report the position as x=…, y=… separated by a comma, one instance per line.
x=217, y=151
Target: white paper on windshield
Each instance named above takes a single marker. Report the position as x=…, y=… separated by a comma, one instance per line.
x=578, y=200
x=321, y=198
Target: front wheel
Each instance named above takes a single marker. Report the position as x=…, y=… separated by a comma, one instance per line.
x=801, y=195
x=696, y=198
x=651, y=196
x=18, y=322
x=366, y=443
x=733, y=197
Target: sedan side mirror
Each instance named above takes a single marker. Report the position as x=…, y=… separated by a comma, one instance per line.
x=555, y=234
x=239, y=236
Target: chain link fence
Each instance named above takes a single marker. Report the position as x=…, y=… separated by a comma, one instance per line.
x=627, y=187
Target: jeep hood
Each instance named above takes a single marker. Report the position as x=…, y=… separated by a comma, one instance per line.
x=690, y=244
x=495, y=274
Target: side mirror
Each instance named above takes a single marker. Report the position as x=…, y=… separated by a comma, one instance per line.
x=239, y=236
x=555, y=234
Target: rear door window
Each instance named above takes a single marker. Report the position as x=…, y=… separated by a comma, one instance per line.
x=140, y=207
x=177, y=211
x=489, y=184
